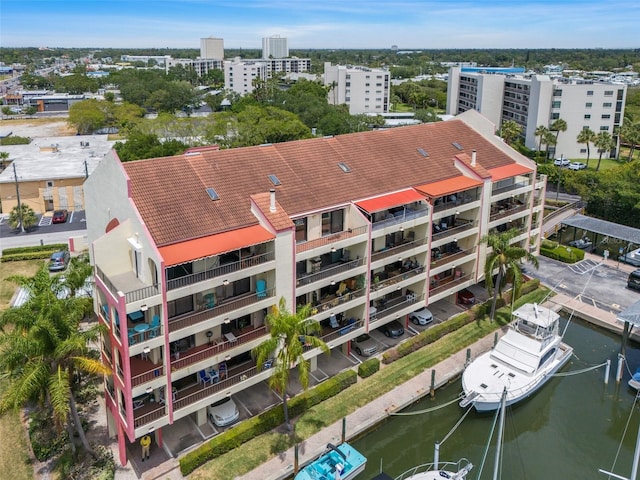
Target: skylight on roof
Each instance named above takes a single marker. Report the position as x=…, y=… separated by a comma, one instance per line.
x=422, y=152
x=344, y=167
x=274, y=180
x=212, y=194
x=457, y=145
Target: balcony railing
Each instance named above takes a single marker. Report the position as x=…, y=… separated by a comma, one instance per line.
x=397, y=278
x=139, y=337
x=394, y=251
x=133, y=296
x=329, y=239
x=507, y=211
x=307, y=278
x=147, y=376
x=342, y=330
x=335, y=301
x=461, y=198
x=194, y=318
x=392, y=307
x=149, y=417
x=406, y=214
x=449, y=257
x=496, y=191
x=209, y=351
x=453, y=231
x=444, y=284
x=219, y=271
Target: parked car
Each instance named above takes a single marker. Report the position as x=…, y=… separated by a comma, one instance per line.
x=223, y=412
x=421, y=317
x=466, y=297
x=561, y=162
x=582, y=243
x=60, y=216
x=577, y=166
x=59, y=261
x=364, y=345
x=631, y=258
x=392, y=329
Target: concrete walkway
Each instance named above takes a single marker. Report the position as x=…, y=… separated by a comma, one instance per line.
x=281, y=466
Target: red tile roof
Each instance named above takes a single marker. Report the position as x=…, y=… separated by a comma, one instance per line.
x=279, y=219
x=383, y=202
x=449, y=186
x=506, y=171
x=170, y=193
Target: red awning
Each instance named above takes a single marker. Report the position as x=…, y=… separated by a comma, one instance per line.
x=511, y=170
x=214, y=244
x=449, y=186
x=389, y=201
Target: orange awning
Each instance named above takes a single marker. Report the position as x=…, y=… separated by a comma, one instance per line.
x=500, y=173
x=214, y=244
x=449, y=186
x=389, y=201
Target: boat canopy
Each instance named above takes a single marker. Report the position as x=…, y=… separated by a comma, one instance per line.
x=535, y=314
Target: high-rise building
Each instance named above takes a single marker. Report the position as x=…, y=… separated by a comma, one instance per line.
x=535, y=100
x=275, y=47
x=212, y=47
x=362, y=89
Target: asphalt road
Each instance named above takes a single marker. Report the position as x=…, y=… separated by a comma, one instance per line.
x=44, y=232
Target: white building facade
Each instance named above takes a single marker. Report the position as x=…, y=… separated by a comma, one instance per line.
x=540, y=100
x=212, y=47
x=240, y=74
x=362, y=89
x=202, y=66
x=275, y=47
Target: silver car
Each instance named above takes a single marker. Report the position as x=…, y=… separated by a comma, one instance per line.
x=421, y=317
x=223, y=412
x=364, y=345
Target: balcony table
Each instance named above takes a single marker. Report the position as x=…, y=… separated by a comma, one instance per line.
x=230, y=336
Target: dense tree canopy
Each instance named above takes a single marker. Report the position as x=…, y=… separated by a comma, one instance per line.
x=147, y=145
x=90, y=115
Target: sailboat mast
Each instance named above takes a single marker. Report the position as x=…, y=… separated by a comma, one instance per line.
x=500, y=430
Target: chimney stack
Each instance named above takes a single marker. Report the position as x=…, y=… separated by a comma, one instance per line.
x=272, y=203
x=473, y=158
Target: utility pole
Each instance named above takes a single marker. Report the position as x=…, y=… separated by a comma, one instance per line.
x=86, y=170
x=15, y=177
x=559, y=175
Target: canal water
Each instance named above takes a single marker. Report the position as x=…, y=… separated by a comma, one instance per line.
x=568, y=430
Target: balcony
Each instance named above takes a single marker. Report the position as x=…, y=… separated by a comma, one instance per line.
x=440, y=257
x=501, y=211
x=329, y=271
x=455, y=200
x=331, y=239
x=396, y=250
x=148, y=413
x=220, y=271
x=217, y=346
x=393, y=277
x=461, y=226
x=133, y=289
x=401, y=216
x=225, y=307
x=498, y=190
x=329, y=334
x=395, y=305
x=143, y=371
x=443, y=284
x=332, y=301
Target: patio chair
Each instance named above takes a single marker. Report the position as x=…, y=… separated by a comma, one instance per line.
x=204, y=378
x=261, y=288
x=132, y=336
x=209, y=300
x=333, y=321
x=154, y=326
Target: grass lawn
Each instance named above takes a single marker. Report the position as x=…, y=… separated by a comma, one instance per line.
x=262, y=448
x=402, y=108
x=7, y=289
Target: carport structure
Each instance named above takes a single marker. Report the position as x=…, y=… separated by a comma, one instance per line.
x=617, y=239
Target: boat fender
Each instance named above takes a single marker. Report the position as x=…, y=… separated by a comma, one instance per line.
x=445, y=475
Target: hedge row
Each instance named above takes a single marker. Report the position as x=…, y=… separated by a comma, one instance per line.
x=562, y=253
x=430, y=335
x=264, y=422
x=37, y=248
x=368, y=367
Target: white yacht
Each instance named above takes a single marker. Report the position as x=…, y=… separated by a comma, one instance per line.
x=431, y=471
x=522, y=361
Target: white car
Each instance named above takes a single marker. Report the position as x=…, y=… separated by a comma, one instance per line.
x=223, y=412
x=577, y=166
x=421, y=317
x=561, y=162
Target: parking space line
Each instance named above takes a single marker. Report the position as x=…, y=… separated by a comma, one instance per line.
x=3, y=218
x=45, y=221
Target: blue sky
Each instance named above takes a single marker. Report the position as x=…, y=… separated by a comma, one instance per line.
x=322, y=23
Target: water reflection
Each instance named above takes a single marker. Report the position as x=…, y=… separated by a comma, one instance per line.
x=568, y=429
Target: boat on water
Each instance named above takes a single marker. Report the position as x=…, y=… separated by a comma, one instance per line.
x=438, y=471
x=634, y=381
x=522, y=361
x=342, y=462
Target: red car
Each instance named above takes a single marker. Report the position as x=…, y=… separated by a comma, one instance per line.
x=60, y=216
x=465, y=297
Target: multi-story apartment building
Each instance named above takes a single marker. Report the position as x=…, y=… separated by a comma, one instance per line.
x=202, y=66
x=212, y=47
x=362, y=89
x=275, y=47
x=239, y=73
x=191, y=252
x=537, y=100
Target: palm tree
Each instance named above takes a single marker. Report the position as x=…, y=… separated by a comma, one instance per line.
x=549, y=139
x=510, y=131
x=629, y=132
x=558, y=125
x=586, y=136
x=42, y=348
x=505, y=258
x=604, y=143
x=541, y=132
x=22, y=217
x=290, y=334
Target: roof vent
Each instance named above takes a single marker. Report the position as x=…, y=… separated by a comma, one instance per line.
x=473, y=158
x=422, y=152
x=457, y=145
x=212, y=194
x=274, y=180
x=344, y=167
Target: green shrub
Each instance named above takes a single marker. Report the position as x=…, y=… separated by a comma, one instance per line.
x=15, y=140
x=18, y=257
x=37, y=248
x=562, y=253
x=45, y=440
x=368, y=367
x=264, y=422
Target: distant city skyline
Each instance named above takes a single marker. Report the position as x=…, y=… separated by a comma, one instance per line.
x=326, y=24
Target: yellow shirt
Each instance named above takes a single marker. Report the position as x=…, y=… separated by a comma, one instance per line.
x=145, y=441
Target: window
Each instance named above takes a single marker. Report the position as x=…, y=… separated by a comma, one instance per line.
x=604, y=127
x=588, y=105
x=587, y=116
x=366, y=84
x=301, y=229
x=49, y=183
x=583, y=150
x=555, y=116
x=606, y=117
x=589, y=93
x=557, y=92
x=556, y=104
x=607, y=105
x=608, y=93
x=332, y=222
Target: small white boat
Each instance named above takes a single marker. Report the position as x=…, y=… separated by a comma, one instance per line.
x=338, y=463
x=521, y=362
x=432, y=471
x=634, y=382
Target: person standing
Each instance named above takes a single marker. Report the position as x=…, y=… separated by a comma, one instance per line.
x=145, y=443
